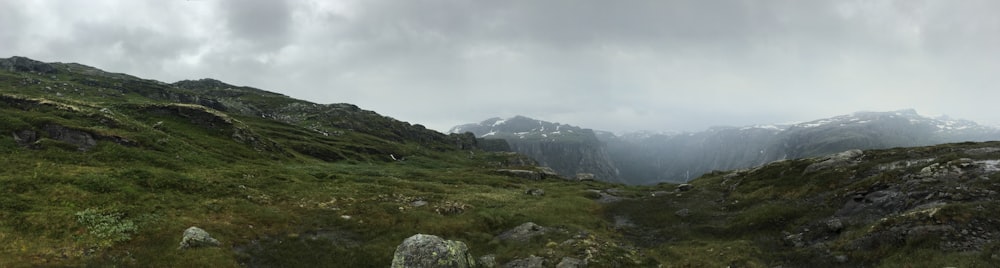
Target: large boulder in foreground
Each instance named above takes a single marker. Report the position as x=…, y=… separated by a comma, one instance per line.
x=423, y=250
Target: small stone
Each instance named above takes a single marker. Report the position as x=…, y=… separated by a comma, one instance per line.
x=535, y=192
x=418, y=203
x=684, y=187
x=841, y=258
x=835, y=225
x=683, y=213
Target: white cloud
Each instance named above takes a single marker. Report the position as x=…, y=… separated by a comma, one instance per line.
x=616, y=65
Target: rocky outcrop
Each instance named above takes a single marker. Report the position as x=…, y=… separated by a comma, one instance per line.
x=195, y=237
x=841, y=159
x=22, y=64
x=83, y=140
x=524, y=232
x=422, y=250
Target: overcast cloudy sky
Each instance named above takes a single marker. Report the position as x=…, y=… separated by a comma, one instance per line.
x=614, y=65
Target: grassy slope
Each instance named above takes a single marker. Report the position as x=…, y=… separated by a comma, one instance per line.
x=127, y=204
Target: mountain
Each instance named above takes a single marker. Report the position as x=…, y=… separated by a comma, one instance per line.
x=567, y=149
x=650, y=158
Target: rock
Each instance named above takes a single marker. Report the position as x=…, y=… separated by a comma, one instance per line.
x=841, y=258
x=418, y=203
x=841, y=159
x=683, y=213
x=422, y=250
x=547, y=172
x=25, y=137
x=659, y=193
x=535, y=192
x=84, y=141
x=585, y=176
x=523, y=233
x=195, y=237
x=525, y=174
x=684, y=187
x=529, y=262
x=22, y=64
x=604, y=198
x=488, y=261
x=834, y=225
x=568, y=262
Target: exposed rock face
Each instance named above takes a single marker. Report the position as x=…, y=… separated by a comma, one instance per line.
x=83, y=140
x=22, y=64
x=195, y=237
x=422, y=250
x=524, y=232
x=25, y=137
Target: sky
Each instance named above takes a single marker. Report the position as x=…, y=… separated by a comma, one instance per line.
x=623, y=65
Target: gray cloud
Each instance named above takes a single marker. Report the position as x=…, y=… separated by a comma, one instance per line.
x=615, y=65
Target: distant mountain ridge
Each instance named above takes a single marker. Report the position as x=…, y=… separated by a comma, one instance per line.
x=569, y=150
x=649, y=157
x=680, y=157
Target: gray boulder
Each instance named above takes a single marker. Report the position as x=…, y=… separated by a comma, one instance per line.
x=195, y=237
x=684, y=187
x=569, y=262
x=488, y=261
x=683, y=213
x=422, y=250
x=523, y=233
x=585, y=176
x=535, y=192
x=529, y=262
